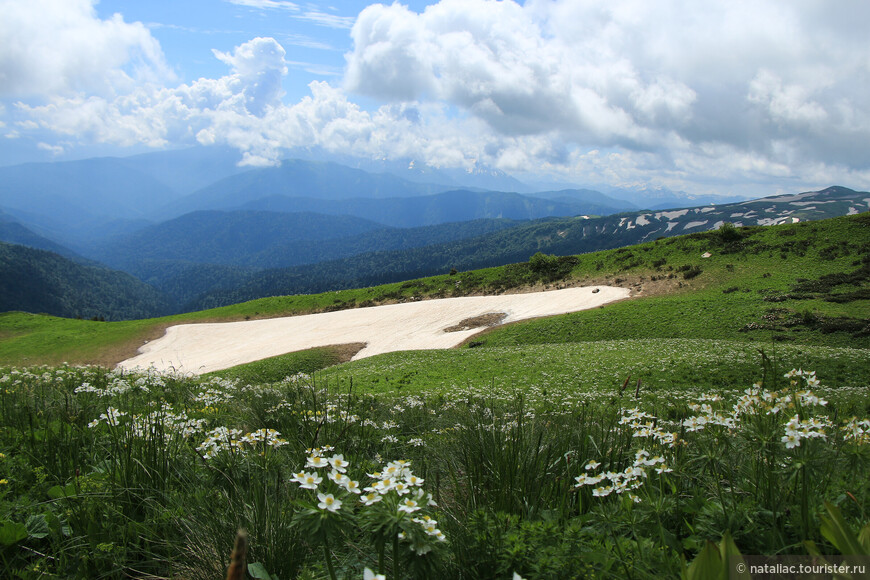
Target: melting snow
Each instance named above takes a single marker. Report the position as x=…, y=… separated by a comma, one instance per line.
x=671, y=214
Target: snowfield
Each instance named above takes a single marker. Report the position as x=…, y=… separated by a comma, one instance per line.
x=202, y=348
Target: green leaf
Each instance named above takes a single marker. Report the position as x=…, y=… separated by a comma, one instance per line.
x=59, y=492
x=11, y=532
x=257, y=570
x=37, y=526
x=835, y=529
x=717, y=562
x=707, y=565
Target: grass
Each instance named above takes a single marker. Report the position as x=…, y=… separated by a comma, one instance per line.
x=274, y=369
x=115, y=474
x=745, y=290
x=568, y=370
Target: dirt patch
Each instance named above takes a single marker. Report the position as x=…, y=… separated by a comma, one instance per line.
x=482, y=321
x=345, y=352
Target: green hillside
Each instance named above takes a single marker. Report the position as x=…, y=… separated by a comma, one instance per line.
x=559, y=236
x=724, y=408
x=35, y=280
x=800, y=283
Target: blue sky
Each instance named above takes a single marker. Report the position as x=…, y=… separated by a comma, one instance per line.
x=721, y=96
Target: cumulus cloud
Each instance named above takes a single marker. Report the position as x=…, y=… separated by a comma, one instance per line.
x=626, y=91
x=60, y=46
x=787, y=81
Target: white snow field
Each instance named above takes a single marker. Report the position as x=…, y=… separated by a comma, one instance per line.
x=202, y=348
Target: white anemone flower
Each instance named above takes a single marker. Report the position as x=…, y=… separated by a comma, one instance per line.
x=338, y=463
x=328, y=502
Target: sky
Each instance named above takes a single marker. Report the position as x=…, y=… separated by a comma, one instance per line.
x=747, y=97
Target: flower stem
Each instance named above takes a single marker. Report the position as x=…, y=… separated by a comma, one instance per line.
x=328, y=556
x=396, y=557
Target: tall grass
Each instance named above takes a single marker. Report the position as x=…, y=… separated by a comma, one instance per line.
x=110, y=474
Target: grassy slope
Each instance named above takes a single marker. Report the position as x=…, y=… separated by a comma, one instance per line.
x=724, y=298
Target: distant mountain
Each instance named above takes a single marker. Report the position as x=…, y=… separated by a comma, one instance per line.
x=206, y=251
x=13, y=232
x=451, y=206
x=103, y=187
x=229, y=238
x=479, y=177
x=648, y=197
x=297, y=178
x=187, y=170
x=44, y=282
x=560, y=236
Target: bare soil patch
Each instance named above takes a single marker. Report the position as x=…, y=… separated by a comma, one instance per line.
x=482, y=321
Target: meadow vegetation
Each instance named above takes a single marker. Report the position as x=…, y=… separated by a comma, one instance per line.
x=726, y=405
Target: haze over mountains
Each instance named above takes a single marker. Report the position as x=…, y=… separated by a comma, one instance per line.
x=202, y=231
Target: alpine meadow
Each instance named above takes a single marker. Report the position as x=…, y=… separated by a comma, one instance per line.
x=434, y=290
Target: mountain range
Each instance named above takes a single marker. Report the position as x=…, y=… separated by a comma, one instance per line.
x=201, y=231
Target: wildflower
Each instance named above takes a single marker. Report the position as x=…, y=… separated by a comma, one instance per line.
x=412, y=479
x=602, y=491
x=112, y=415
x=384, y=485
x=328, y=502
x=592, y=465
x=316, y=462
x=369, y=575
x=338, y=478
x=408, y=505
x=791, y=440
x=338, y=463
x=370, y=498
x=308, y=480
x=352, y=486
x=694, y=423
x=425, y=521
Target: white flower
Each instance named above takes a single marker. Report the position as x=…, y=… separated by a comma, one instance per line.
x=414, y=480
x=791, y=440
x=308, y=480
x=408, y=505
x=328, y=502
x=316, y=462
x=370, y=498
x=338, y=463
x=602, y=491
x=369, y=575
x=339, y=478
x=591, y=465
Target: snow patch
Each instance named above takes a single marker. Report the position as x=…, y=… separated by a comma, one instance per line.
x=642, y=221
x=694, y=224
x=206, y=347
x=671, y=214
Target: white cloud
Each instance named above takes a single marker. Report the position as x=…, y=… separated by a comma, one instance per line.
x=60, y=46
x=267, y=4
x=677, y=93
x=53, y=149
